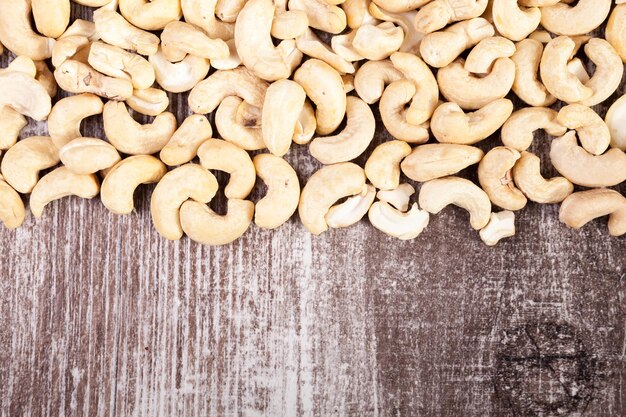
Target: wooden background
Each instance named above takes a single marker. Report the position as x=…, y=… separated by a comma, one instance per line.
x=101, y=316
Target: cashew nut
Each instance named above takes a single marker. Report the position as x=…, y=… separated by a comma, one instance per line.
x=184, y=143
x=284, y=101
x=352, y=210
x=248, y=138
x=378, y=42
x=426, y=99
x=582, y=18
x=517, y=132
x=12, y=212
x=501, y=225
x=483, y=55
x=616, y=30
x=70, y=47
x=514, y=22
x=179, y=39
x=80, y=27
x=118, y=63
x=288, y=24
x=77, y=77
x=357, y=13
x=68, y=113
x=51, y=16
x=16, y=32
x=609, y=71
x=616, y=121
x=309, y=44
x=205, y=226
x=383, y=166
x=283, y=191
x=494, y=175
x=592, y=132
x=306, y=125
x=399, y=197
x=180, y=76
x=201, y=13
x=412, y=37
x=22, y=162
x=580, y=208
x=342, y=46
x=11, y=124
x=115, y=30
x=88, y=155
x=150, y=101
x=322, y=15
x=24, y=94
x=150, y=14
x=393, y=112
x=437, y=160
x=228, y=10
x=527, y=85
x=372, y=77
x=527, y=177
x=224, y=156
x=439, y=13
x=404, y=226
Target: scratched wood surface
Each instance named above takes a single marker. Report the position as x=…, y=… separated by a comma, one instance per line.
x=102, y=317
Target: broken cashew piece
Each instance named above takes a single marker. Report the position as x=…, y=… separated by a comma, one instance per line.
x=284, y=102
x=184, y=143
x=22, y=162
x=88, y=155
x=399, y=197
x=437, y=160
x=352, y=210
x=593, y=133
x=224, y=156
x=582, y=207
x=394, y=223
x=283, y=191
x=495, y=177
x=501, y=225
x=527, y=177
x=518, y=131
x=616, y=121
x=383, y=166
x=12, y=211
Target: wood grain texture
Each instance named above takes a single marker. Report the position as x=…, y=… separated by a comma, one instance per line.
x=102, y=317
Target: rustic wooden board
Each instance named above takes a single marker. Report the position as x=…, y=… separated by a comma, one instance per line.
x=103, y=317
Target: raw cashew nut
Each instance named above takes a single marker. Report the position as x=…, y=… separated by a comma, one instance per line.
x=450, y=124
x=184, y=143
x=527, y=85
x=115, y=30
x=437, y=160
x=150, y=101
x=393, y=112
x=436, y=194
x=616, y=30
x=357, y=13
x=150, y=14
x=517, y=132
x=241, y=82
x=62, y=183
x=118, y=63
x=88, y=155
x=201, y=13
x=70, y=47
x=580, y=208
x=582, y=18
x=616, y=121
x=180, y=76
x=68, y=113
x=583, y=168
x=179, y=39
x=439, y=13
x=228, y=10
x=51, y=16
x=514, y=22
x=592, y=132
x=383, y=166
x=609, y=71
x=232, y=61
x=412, y=37
x=254, y=43
x=133, y=138
x=352, y=141
x=248, y=138
x=324, y=188
x=186, y=182
x=394, y=223
x=471, y=92
x=77, y=77
x=322, y=15
x=352, y=210
x=16, y=32
x=223, y=156
x=501, y=225
x=24, y=94
x=284, y=101
x=120, y=183
x=311, y=45
x=21, y=164
x=289, y=24
x=306, y=125
x=283, y=191
x=494, y=175
x=399, y=6
x=80, y=27
x=11, y=124
x=398, y=198
x=12, y=212
x=372, y=77
x=527, y=177
x=324, y=86
x=205, y=226
x=483, y=55
x=378, y=42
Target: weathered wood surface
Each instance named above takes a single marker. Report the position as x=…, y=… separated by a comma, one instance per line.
x=101, y=317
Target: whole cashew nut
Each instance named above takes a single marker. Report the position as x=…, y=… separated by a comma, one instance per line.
x=372, y=77
x=437, y=160
x=593, y=133
x=180, y=76
x=51, y=16
x=482, y=56
x=514, y=22
x=184, y=143
x=179, y=39
x=517, y=132
x=150, y=101
x=580, y=208
x=352, y=210
x=16, y=32
x=283, y=191
x=118, y=63
x=616, y=121
x=609, y=71
x=584, y=17
x=224, y=156
x=494, y=175
x=21, y=164
x=115, y=30
x=77, y=77
x=394, y=223
x=88, y=155
x=150, y=14
x=12, y=212
x=383, y=166
x=527, y=85
x=68, y=113
x=284, y=101
x=439, y=13
x=616, y=30
x=501, y=225
x=527, y=177
x=376, y=42
x=248, y=138
x=205, y=226
x=24, y=94
x=394, y=114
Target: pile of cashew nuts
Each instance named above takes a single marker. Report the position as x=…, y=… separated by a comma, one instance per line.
x=274, y=73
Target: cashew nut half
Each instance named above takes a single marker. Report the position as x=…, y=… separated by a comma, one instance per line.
x=494, y=175
x=16, y=32
x=88, y=155
x=115, y=30
x=122, y=180
x=25, y=95
x=324, y=188
x=393, y=113
x=372, y=77
x=584, y=17
x=352, y=210
x=580, y=208
x=394, y=223
x=527, y=177
x=184, y=143
x=527, y=85
x=205, y=226
x=284, y=101
x=248, y=138
x=283, y=191
x=383, y=166
x=501, y=225
x=12, y=212
x=437, y=160
x=21, y=164
x=224, y=156
x=517, y=132
x=62, y=183
x=616, y=121
x=592, y=132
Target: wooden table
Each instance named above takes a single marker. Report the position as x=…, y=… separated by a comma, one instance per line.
x=101, y=316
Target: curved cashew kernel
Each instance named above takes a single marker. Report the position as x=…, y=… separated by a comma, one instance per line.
x=76, y=77
x=514, y=22
x=62, y=183
x=122, y=180
x=118, y=63
x=580, y=208
x=248, y=138
x=254, y=43
x=450, y=124
x=593, y=133
x=205, y=226
x=357, y=13
x=582, y=18
x=80, y=27
x=483, y=55
x=583, y=168
x=439, y=13
x=51, y=16
x=398, y=198
x=21, y=164
x=352, y=210
x=321, y=14
x=309, y=44
x=88, y=155
x=436, y=160
x=306, y=125
x=383, y=166
x=115, y=30
x=179, y=39
x=352, y=141
x=184, y=143
x=12, y=212
x=527, y=85
x=150, y=14
x=342, y=46
x=324, y=86
x=440, y=49
x=394, y=114
x=324, y=188
x=24, y=94
x=527, y=177
x=494, y=175
x=283, y=191
x=501, y=225
x=436, y=194
x=68, y=113
x=289, y=24
x=133, y=138
x=232, y=61
x=284, y=101
x=186, y=182
x=559, y=81
x=21, y=64
x=228, y=10
x=180, y=76
x=426, y=99
x=17, y=34
x=412, y=38
x=224, y=156
x=201, y=13
x=576, y=67
x=394, y=223
x=399, y=6
x=608, y=74
x=149, y=101
x=69, y=47
x=241, y=82
x=517, y=132
x=372, y=77
x=471, y=92
x=616, y=30
x=11, y=124
x=378, y=42
x=541, y=36
x=615, y=120
x=46, y=78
